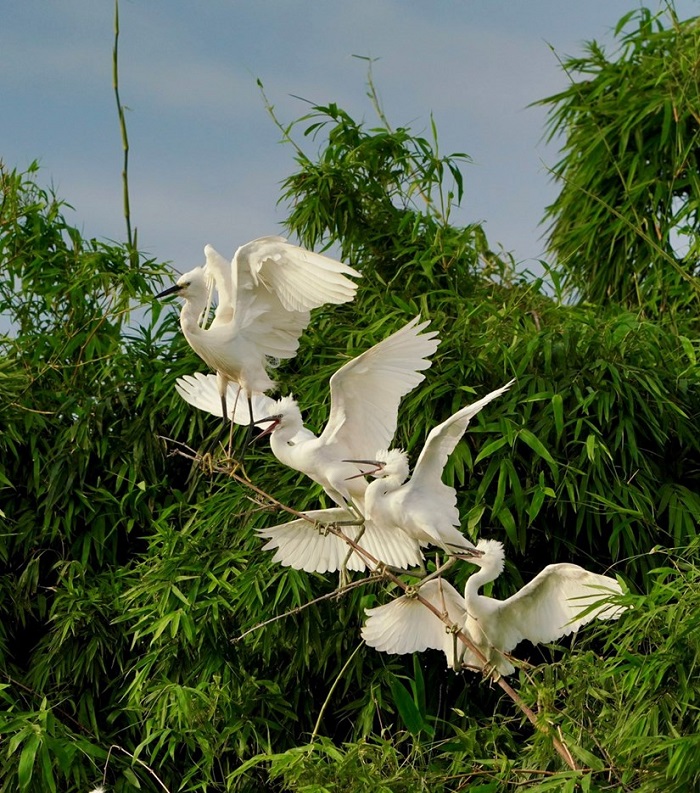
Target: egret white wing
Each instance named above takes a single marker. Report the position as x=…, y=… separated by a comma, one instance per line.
x=555, y=603
x=254, y=316
x=221, y=273
x=443, y=439
x=202, y=391
x=393, y=548
x=300, y=278
x=405, y=625
x=366, y=391
x=301, y=545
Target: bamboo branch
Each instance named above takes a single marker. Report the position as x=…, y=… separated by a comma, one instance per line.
x=130, y=236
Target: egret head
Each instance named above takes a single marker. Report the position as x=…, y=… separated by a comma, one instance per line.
x=393, y=462
x=287, y=411
x=282, y=414
x=191, y=286
x=492, y=555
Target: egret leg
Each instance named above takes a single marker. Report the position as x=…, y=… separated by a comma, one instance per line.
x=251, y=423
x=223, y=385
x=222, y=432
x=224, y=413
x=248, y=435
x=456, y=657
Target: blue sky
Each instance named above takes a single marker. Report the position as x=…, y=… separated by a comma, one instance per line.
x=206, y=161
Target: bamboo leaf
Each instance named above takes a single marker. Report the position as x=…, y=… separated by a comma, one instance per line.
x=26, y=761
x=536, y=445
x=410, y=715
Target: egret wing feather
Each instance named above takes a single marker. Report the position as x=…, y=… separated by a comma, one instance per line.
x=300, y=544
x=366, y=391
x=393, y=548
x=248, y=319
x=443, y=439
x=223, y=274
x=301, y=279
x=405, y=625
x=201, y=391
x=555, y=603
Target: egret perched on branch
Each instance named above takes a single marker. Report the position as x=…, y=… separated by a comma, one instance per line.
x=365, y=395
x=423, y=507
x=265, y=295
x=558, y=601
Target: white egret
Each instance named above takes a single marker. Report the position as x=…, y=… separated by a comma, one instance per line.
x=558, y=601
x=423, y=507
x=265, y=295
x=365, y=395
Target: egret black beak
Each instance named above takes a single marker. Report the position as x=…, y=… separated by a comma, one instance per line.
x=274, y=423
x=376, y=467
x=469, y=553
x=170, y=291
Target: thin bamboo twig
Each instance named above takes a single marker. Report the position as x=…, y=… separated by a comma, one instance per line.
x=331, y=690
x=336, y=593
x=136, y=760
x=130, y=236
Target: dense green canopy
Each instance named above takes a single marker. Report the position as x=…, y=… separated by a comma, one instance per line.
x=136, y=641
x=624, y=227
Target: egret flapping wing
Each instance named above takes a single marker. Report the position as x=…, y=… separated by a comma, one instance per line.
x=443, y=439
x=222, y=275
x=257, y=314
x=300, y=278
x=268, y=328
x=366, y=391
x=393, y=548
x=405, y=625
x=558, y=601
x=202, y=392
x=303, y=546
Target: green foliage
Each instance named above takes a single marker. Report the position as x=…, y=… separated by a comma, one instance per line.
x=385, y=197
x=632, y=715
x=625, y=225
x=138, y=639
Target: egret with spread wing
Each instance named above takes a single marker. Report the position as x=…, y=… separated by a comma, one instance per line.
x=423, y=507
x=303, y=546
x=558, y=601
x=202, y=391
x=365, y=396
x=264, y=298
